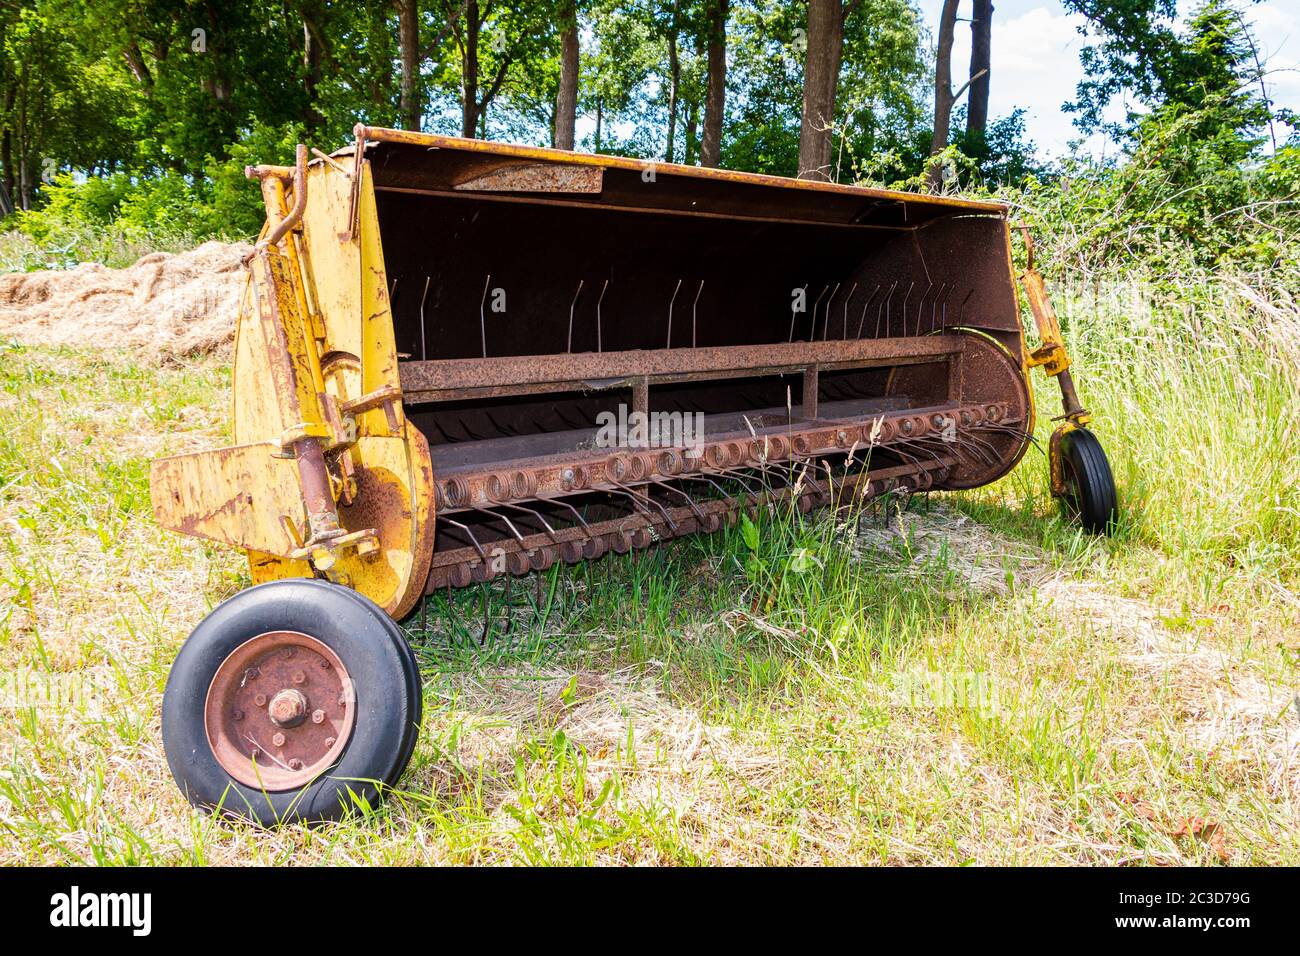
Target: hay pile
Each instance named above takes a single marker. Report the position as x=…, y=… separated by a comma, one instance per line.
x=163, y=306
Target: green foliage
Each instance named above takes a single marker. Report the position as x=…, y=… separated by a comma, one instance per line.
x=1196, y=188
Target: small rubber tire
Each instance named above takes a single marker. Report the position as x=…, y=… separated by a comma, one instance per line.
x=384, y=678
x=1090, y=497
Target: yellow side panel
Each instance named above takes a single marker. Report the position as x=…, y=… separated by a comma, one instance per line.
x=394, y=483
x=232, y=495
x=256, y=414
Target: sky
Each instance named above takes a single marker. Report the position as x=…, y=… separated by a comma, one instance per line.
x=1036, y=60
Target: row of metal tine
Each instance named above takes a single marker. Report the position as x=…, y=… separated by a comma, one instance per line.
x=886, y=313
x=753, y=479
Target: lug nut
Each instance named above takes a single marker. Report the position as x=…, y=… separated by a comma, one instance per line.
x=260, y=700
x=317, y=716
x=295, y=764
x=299, y=677
x=278, y=740
x=237, y=714
x=329, y=741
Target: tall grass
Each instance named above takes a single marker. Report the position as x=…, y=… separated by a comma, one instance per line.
x=1196, y=386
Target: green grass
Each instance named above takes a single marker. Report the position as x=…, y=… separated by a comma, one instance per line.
x=964, y=678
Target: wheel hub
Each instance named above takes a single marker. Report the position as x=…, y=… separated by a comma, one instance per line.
x=279, y=710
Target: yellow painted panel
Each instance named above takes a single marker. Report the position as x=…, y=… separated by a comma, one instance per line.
x=232, y=495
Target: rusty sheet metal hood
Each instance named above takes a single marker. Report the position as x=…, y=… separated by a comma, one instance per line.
x=424, y=162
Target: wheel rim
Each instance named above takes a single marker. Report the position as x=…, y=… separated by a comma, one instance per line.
x=279, y=710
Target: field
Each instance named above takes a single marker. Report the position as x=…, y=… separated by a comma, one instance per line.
x=954, y=679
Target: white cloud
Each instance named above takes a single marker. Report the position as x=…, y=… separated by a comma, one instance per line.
x=1036, y=60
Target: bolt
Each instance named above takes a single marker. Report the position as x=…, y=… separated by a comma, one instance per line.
x=329, y=741
x=288, y=652
x=278, y=740
x=299, y=677
x=260, y=700
x=324, y=664
x=295, y=764
x=317, y=716
x=237, y=714
x=252, y=674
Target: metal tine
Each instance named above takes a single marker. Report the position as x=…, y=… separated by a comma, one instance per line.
x=536, y=514
x=705, y=478
x=826, y=322
x=962, y=311
x=865, y=306
x=482, y=322
x=963, y=444
x=635, y=498
x=934, y=305
x=735, y=474
x=577, y=514
x=804, y=288
x=916, y=443
x=509, y=524
x=884, y=307
x=906, y=296
x=693, y=305
x=690, y=502
x=920, y=307
x=572, y=306
x=473, y=540
x=943, y=307
x=598, y=304
x=816, y=306
x=845, y=333
x=970, y=435
x=982, y=449
x=671, y=303
x=423, y=352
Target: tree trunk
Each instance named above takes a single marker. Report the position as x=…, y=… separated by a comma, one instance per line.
x=674, y=84
x=600, y=116
x=981, y=58
x=820, y=78
x=715, y=98
x=942, y=88
x=692, y=131
x=408, y=44
x=566, y=102
x=469, y=71
x=135, y=62
x=312, y=119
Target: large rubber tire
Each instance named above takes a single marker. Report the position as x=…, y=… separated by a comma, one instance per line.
x=384, y=677
x=1090, y=497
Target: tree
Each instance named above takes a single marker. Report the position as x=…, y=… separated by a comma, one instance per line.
x=943, y=94
x=981, y=63
x=825, y=39
x=715, y=102
x=566, y=101
x=408, y=42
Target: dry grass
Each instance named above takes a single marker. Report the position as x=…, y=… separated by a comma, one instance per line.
x=165, y=305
